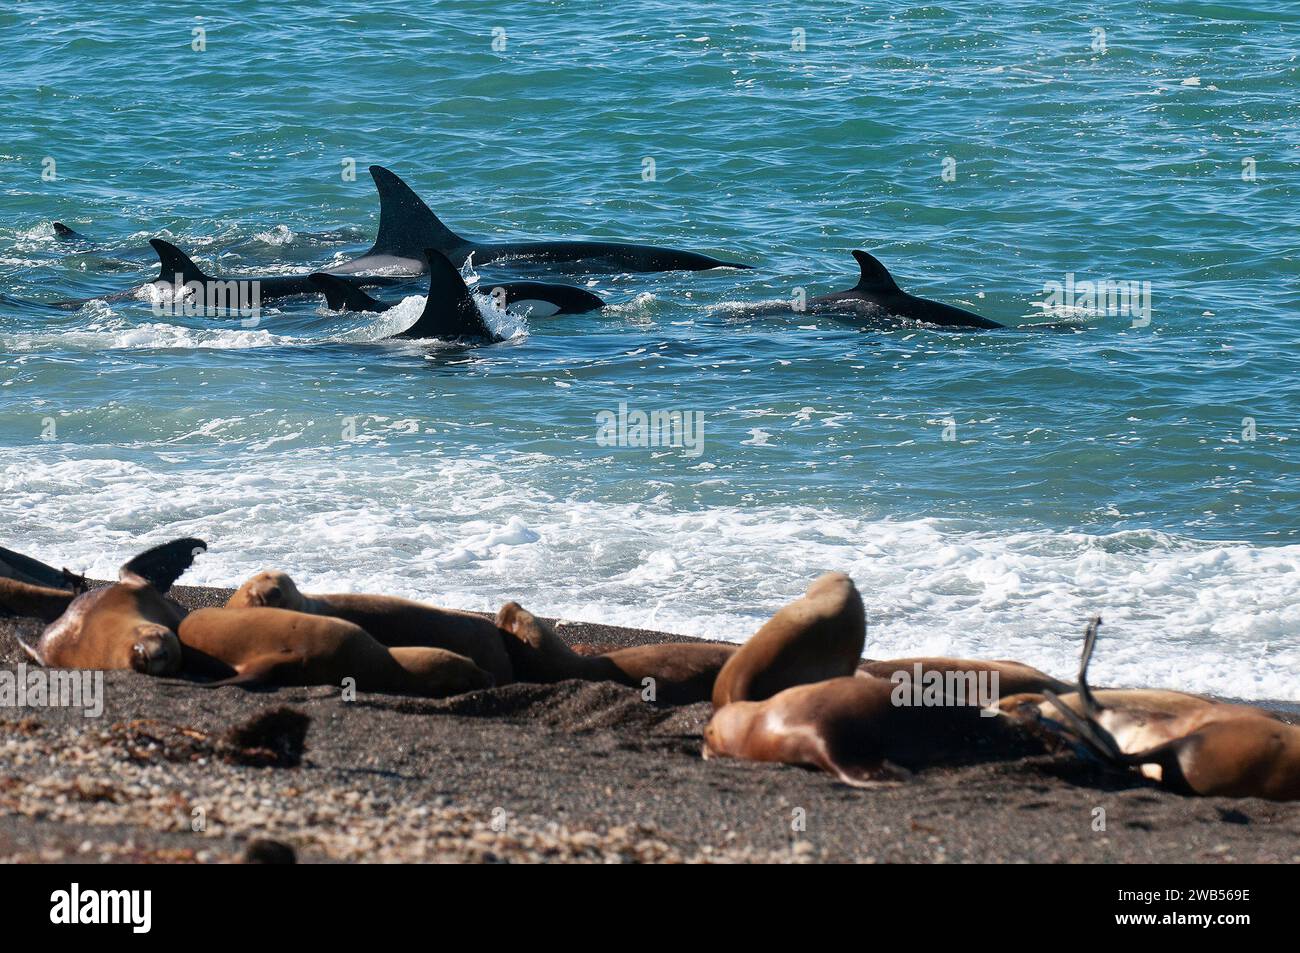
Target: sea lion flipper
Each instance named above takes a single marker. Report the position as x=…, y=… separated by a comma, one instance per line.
x=1091, y=705
x=880, y=774
x=163, y=565
x=1091, y=735
x=257, y=672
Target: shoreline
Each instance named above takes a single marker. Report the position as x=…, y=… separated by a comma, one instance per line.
x=573, y=771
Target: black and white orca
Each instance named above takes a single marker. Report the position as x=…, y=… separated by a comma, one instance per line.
x=407, y=226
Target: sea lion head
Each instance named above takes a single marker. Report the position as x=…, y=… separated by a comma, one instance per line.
x=129, y=624
x=727, y=733
x=536, y=653
x=271, y=589
x=156, y=650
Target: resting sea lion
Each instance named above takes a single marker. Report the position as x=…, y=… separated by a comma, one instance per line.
x=28, y=587
x=1013, y=677
x=1188, y=743
x=129, y=624
x=851, y=727
x=816, y=637
x=392, y=621
x=280, y=647
x=683, y=672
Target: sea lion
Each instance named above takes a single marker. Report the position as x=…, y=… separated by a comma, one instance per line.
x=1013, y=677
x=129, y=624
x=390, y=620
x=682, y=672
x=854, y=728
x=28, y=587
x=281, y=647
x=1187, y=743
x=816, y=637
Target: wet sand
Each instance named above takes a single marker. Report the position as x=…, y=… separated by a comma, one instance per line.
x=173, y=772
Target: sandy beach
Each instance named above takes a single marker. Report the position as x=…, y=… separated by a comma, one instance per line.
x=567, y=772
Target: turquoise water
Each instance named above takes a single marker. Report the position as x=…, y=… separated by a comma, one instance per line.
x=1104, y=467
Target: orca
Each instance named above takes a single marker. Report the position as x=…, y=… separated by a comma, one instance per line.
x=450, y=311
x=65, y=234
x=407, y=226
x=877, y=295
x=270, y=287
x=533, y=299
x=173, y=262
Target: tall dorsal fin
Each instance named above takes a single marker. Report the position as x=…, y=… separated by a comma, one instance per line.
x=875, y=276
x=175, y=262
x=406, y=225
x=450, y=311
x=342, y=295
x=162, y=565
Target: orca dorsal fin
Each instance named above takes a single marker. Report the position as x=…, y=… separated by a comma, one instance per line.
x=162, y=565
x=406, y=225
x=175, y=262
x=875, y=276
x=450, y=311
x=343, y=295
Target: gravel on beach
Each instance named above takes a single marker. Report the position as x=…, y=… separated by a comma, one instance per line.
x=588, y=772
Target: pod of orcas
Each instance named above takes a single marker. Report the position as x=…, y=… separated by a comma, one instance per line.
x=795, y=693
x=412, y=242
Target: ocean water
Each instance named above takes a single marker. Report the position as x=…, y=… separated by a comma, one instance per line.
x=987, y=491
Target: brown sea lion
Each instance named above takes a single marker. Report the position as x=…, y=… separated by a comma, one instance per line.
x=1188, y=743
x=682, y=672
x=28, y=587
x=816, y=637
x=391, y=620
x=40, y=602
x=1013, y=677
x=129, y=624
x=22, y=568
x=281, y=647
x=853, y=727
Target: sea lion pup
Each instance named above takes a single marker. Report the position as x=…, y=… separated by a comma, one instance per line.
x=1013, y=678
x=816, y=637
x=682, y=672
x=1185, y=742
x=854, y=728
x=129, y=624
x=280, y=647
x=390, y=620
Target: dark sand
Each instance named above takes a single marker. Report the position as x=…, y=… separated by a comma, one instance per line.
x=527, y=772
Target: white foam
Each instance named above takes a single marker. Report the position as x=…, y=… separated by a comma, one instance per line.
x=1217, y=617
x=123, y=335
